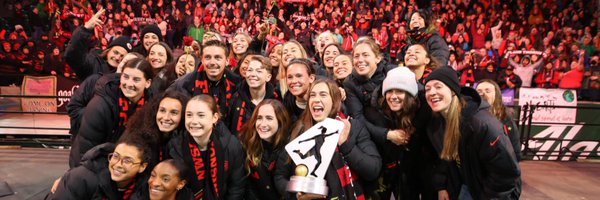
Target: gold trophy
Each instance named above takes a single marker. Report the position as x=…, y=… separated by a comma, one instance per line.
x=312, y=152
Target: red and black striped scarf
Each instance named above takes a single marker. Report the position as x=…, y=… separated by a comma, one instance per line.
x=201, y=86
x=127, y=194
x=419, y=37
x=351, y=188
x=426, y=73
x=127, y=108
x=216, y=170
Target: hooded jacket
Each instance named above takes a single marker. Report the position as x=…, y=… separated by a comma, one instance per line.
x=83, y=61
x=92, y=179
x=488, y=165
x=234, y=182
x=241, y=107
x=100, y=122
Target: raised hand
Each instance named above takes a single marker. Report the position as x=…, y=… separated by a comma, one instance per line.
x=95, y=20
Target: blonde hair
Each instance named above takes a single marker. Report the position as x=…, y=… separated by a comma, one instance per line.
x=324, y=34
x=283, y=69
x=371, y=43
x=452, y=132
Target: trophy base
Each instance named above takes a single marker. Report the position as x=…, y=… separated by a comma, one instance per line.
x=307, y=184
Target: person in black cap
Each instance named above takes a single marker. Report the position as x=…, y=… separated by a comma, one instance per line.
x=150, y=35
x=508, y=79
x=86, y=63
x=477, y=158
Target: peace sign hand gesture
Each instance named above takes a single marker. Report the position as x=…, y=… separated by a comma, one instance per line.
x=95, y=20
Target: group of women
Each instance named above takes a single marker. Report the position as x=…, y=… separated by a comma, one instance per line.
x=147, y=126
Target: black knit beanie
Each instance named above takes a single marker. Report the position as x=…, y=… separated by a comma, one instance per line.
x=152, y=28
x=448, y=76
x=122, y=41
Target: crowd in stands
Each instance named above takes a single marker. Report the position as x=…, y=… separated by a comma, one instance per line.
x=546, y=44
x=220, y=86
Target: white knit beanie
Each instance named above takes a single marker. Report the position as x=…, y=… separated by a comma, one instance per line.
x=400, y=78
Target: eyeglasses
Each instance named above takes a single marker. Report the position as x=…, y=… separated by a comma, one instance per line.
x=125, y=161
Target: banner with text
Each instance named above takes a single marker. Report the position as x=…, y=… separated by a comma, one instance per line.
x=41, y=86
x=550, y=97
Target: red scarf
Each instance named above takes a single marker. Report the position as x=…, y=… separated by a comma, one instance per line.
x=200, y=168
x=127, y=108
x=129, y=190
x=201, y=86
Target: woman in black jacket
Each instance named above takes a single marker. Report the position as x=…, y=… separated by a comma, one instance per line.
x=490, y=92
x=468, y=138
x=369, y=71
x=114, y=102
x=299, y=75
x=355, y=156
x=263, y=138
x=250, y=93
x=151, y=35
x=215, y=156
x=161, y=119
x=394, y=106
x=423, y=31
x=86, y=62
x=108, y=171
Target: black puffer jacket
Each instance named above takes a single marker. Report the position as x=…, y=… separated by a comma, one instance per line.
x=241, y=107
x=488, y=165
x=407, y=168
x=261, y=184
x=92, y=179
x=233, y=187
x=82, y=60
x=359, y=89
x=79, y=100
x=223, y=89
x=359, y=152
x=435, y=44
x=82, y=96
x=100, y=122
x=289, y=101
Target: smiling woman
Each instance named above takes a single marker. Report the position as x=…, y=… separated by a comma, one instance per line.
x=117, y=98
x=356, y=155
x=471, y=140
x=160, y=119
x=207, y=147
x=107, y=169
x=263, y=138
x=167, y=181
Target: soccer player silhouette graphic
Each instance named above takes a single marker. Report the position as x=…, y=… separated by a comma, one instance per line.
x=316, y=149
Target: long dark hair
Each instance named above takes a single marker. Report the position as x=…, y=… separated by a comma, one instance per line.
x=145, y=118
x=252, y=141
x=405, y=115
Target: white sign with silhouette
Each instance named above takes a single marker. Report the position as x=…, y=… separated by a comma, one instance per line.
x=314, y=148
